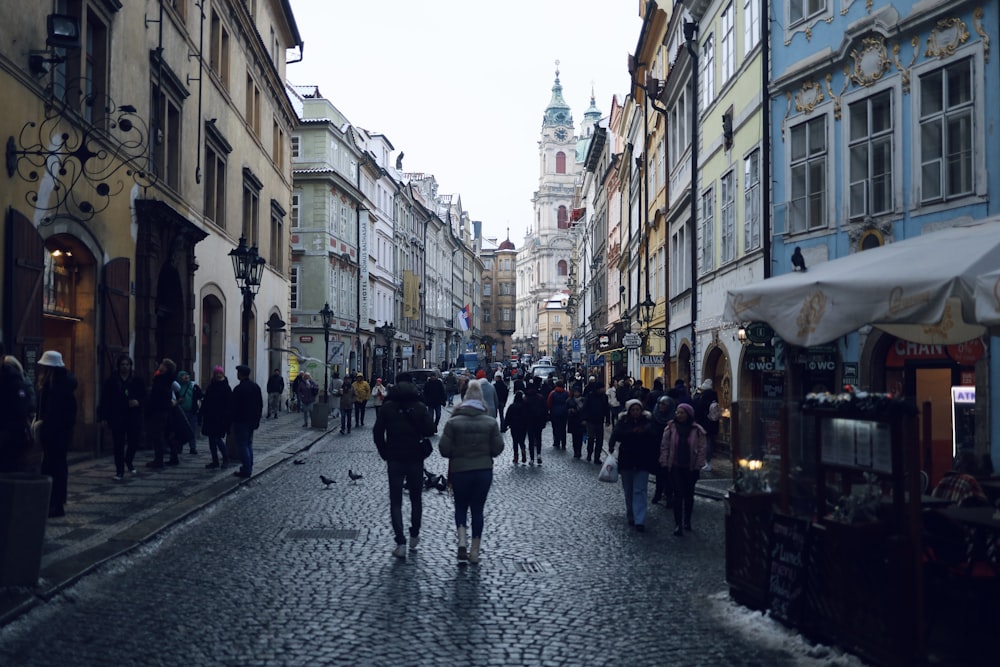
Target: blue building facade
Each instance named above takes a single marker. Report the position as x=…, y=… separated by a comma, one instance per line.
x=883, y=121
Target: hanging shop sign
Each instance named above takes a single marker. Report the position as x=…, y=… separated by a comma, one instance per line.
x=651, y=360
x=759, y=333
x=632, y=340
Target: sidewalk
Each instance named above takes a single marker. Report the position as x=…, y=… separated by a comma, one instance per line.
x=105, y=519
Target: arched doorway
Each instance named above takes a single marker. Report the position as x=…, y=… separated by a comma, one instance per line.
x=684, y=365
x=718, y=369
x=213, y=330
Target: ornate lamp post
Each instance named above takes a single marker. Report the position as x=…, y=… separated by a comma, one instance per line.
x=327, y=316
x=389, y=332
x=248, y=266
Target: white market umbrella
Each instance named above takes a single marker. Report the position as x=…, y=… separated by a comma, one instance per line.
x=922, y=289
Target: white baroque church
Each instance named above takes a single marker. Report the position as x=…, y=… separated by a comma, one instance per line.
x=543, y=262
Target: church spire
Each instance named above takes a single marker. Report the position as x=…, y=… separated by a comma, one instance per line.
x=558, y=113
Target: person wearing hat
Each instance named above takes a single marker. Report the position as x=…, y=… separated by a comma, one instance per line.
x=637, y=437
x=57, y=407
x=215, y=416
x=682, y=452
x=123, y=397
x=470, y=441
x=379, y=392
x=247, y=407
x=702, y=402
x=362, y=391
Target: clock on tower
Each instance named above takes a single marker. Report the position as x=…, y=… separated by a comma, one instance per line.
x=561, y=134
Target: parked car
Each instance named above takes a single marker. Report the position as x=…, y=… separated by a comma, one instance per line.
x=542, y=370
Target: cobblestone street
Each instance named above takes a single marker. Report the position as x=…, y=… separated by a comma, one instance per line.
x=288, y=571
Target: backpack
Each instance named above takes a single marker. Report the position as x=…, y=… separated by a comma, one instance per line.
x=714, y=412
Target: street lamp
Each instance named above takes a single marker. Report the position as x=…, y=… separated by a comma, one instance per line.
x=389, y=332
x=327, y=316
x=248, y=266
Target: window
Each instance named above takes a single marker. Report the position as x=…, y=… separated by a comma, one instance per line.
x=277, y=145
x=946, y=138
x=216, y=151
x=751, y=201
x=505, y=289
x=561, y=268
x=250, y=228
x=708, y=71
x=728, y=44
x=678, y=135
x=555, y=319
x=487, y=289
x=751, y=25
x=293, y=217
x=728, y=214
x=218, y=49
x=708, y=230
x=295, y=147
x=799, y=10
x=486, y=316
x=680, y=252
x=293, y=283
x=871, y=156
x=168, y=92
x=276, y=250
x=88, y=66
x=560, y=163
x=253, y=105
x=95, y=65
x=505, y=314
x=488, y=264
x=808, y=177
x=562, y=218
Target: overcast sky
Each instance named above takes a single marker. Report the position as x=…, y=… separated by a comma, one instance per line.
x=460, y=85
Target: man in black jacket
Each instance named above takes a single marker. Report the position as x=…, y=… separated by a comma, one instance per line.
x=595, y=411
x=247, y=405
x=434, y=397
x=122, y=400
x=275, y=388
x=400, y=425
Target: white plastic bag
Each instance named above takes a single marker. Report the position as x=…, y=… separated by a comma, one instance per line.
x=609, y=470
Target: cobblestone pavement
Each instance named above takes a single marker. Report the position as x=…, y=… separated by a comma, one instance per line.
x=284, y=570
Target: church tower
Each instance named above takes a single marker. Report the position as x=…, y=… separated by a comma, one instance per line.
x=543, y=262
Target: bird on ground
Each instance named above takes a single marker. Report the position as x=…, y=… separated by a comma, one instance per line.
x=326, y=480
x=355, y=476
x=798, y=261
x=299, y=462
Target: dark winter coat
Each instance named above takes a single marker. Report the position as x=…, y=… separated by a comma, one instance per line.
x=434, y=393
x=639, y=442
x=57, y=409
x=595, y=407
x=516, y=419
x=275, y=384
x=215, y=417
x=115, y=395
x=538, y=411
x=557, y=403
x=503, y=393
x=574, y=414
x=704, y=399
x=247, y=404
x=471, y=440
x=401, y=423
x=161, y=393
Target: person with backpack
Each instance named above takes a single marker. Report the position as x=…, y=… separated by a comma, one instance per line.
x=707, y=413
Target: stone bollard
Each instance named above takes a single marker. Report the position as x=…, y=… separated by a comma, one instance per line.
x=24, y=509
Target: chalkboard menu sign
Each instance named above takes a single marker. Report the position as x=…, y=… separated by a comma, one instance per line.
x=788, y=562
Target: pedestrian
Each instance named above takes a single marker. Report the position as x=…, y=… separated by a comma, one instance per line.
x=306, y=393
x=637, y=437
x=17, y=397
x=275, y=388
x=503, y=393
x=595, y=411
x=346, y=406
x=470, y=442
x=558, y=413
x=216, y=416
x=489, y=397
x=537, y=415
x=336, y=387
x=622, y=392
x=516, y=419
x=682, y=451
x=574, y=421
x=649, y=402
x=451, y=387
x=55, y=389
x=703, y=413
x=379, y=392
x=400, y=426
x=123, y=398
x=188, y=398
x=158, y=407
x=362, y=391
x=247, y=406
x=662, y=415
x=435, y=396
x=679, y=392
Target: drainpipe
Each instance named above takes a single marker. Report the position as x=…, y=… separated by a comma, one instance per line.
x=690, y=30
x=765, y=165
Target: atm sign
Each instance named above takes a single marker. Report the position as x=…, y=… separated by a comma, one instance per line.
x=963, y=394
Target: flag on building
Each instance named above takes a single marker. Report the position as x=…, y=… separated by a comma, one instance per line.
x=465, y=318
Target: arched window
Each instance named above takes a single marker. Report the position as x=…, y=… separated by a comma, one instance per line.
x=560, y=163
x=561, y=267
x=562, y=216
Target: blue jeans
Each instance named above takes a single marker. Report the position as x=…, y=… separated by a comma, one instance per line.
x=635, y=484
x=435, y=412
x=345, y=419
x=413, y=473
x=307, y=413
x=217, y=443
x=471, y=488
x=244, y=444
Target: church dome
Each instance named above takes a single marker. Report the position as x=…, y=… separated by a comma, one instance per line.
x=506, y=245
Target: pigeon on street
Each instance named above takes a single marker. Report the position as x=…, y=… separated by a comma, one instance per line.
x=326, y=480
x=355, y=476
x=299, y=462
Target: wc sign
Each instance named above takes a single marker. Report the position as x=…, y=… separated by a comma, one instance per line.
x=963, y=394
